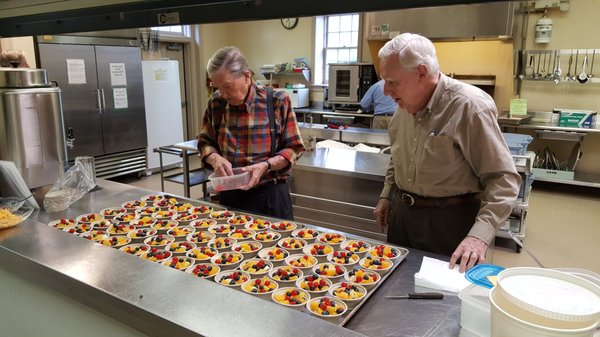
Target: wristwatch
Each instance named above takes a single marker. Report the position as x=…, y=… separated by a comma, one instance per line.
x=269, y=166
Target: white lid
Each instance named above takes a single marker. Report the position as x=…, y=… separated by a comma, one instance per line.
x=551, y=293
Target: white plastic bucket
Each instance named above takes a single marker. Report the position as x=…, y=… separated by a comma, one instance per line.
x=543, y=302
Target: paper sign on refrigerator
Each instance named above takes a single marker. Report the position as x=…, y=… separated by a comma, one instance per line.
x=120, y=98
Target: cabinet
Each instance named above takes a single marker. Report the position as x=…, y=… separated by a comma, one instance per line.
x=103, y=103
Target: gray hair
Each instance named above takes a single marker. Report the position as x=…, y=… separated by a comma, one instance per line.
x=412, y=50
x=229, y=58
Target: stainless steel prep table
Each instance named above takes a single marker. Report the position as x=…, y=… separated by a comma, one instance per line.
x=133, y=292
x=322, y=112
x=339, y=189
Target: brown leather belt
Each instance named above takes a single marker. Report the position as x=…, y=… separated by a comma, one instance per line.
x=411, y=199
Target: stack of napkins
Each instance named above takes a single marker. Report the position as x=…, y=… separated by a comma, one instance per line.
x=435, y=274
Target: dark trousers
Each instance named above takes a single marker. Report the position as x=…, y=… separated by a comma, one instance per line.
x=272, y=199
x=436, y=230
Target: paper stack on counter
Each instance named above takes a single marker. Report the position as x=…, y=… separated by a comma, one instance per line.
x=435, y=274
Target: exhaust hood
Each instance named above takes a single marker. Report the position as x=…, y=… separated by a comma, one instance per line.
x=450, y=23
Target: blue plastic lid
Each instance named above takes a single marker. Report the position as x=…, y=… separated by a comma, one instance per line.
x=478, y=274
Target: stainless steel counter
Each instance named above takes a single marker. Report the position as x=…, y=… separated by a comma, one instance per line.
x=158, y=301
x=353, y=135
x=338, y=189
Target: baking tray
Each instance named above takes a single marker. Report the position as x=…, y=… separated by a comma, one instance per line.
x=341, y=320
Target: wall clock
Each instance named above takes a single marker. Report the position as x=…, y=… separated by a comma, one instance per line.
x=289, y=23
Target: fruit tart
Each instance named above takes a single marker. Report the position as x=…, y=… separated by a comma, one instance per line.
x=239, y=220
x=164, y=225
x=356, y=246
x=181, y=232
x=314, y=283
x=203, y=224
x=115, y=241
x=267, y=238
x=380, y=264
x=326, y=307
x=89, y=217
x=222, y=243
x=140, y=234
x=112, y=212
x=200, y=210
x=291, y=297
x=159, y=240
x=306, y=234
x=135, y=249
x=204, y=270
x=343, y=257
x=364, y=277
x=134, y=204
x=62, y=223
x=234, y=278
x=292, y=244
x=260, y=286
x=385, y=251
x=120, y=229
x=202, y=253
x=200, y=238
x=179, y=263
x=332, y=239
x=180, y=247
x=286, y=275
x=241, y=234
x=256, y=266
x=258, y=225
x=156, y=254
x=227, y=260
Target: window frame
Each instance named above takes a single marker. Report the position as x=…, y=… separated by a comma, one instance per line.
x=321, y=32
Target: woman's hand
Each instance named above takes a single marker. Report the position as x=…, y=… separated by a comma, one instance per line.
x=220, y=165
x=256, y=172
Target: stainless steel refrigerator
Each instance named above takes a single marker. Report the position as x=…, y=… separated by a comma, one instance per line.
x=103, y=103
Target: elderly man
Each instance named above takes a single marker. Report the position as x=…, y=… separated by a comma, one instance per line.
x=451, y=180
x=243, y=128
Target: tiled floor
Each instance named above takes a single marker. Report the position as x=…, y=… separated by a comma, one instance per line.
x=562, y=225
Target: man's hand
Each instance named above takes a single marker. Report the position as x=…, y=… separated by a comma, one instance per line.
x=470, y=251
x=256, y=171
x=382, y=213
x=220, y=165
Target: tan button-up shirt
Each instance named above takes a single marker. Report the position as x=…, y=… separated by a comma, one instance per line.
x=452, y=147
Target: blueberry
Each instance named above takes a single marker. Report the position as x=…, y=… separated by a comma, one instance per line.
x=325, y=313
x=339, y=310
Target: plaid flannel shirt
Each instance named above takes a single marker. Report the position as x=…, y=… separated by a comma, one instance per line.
x=241, y=133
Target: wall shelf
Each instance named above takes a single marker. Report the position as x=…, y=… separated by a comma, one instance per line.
x=270, y=75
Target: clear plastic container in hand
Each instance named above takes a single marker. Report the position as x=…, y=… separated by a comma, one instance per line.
x=224, y=183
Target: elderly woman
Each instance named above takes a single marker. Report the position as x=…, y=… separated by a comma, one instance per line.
x=243, y=128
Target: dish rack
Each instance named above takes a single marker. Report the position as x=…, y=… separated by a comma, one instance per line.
x=516, y=220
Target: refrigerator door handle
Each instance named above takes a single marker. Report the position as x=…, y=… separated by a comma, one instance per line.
x=98, y=101
x=103, y=100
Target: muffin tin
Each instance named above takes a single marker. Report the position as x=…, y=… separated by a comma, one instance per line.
x=213, y=216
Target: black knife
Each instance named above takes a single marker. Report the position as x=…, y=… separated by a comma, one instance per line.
x=419, y=296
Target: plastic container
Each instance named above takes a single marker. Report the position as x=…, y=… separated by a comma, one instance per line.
x=475, y=310
x=517, y=143
x=537, y=301
x=238, y=179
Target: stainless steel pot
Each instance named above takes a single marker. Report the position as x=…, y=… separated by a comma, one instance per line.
x=31, y=125
x=23, y=78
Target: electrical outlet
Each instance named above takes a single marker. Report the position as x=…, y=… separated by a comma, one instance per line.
x=541, y=4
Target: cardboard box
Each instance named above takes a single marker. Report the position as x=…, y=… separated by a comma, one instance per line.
x=577, y=119
x=553, y=174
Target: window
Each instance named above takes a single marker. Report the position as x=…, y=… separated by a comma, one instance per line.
x=172, y=30
x=336, y=41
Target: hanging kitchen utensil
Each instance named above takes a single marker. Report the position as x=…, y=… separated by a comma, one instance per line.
x=568, y=76
x=583, y=77
x=529, y=68
x=551, y=60
x=537, y=74
x=543, y=71
x=522, y=62
x=574, y=78
x=591, y=74
x=557, y=70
